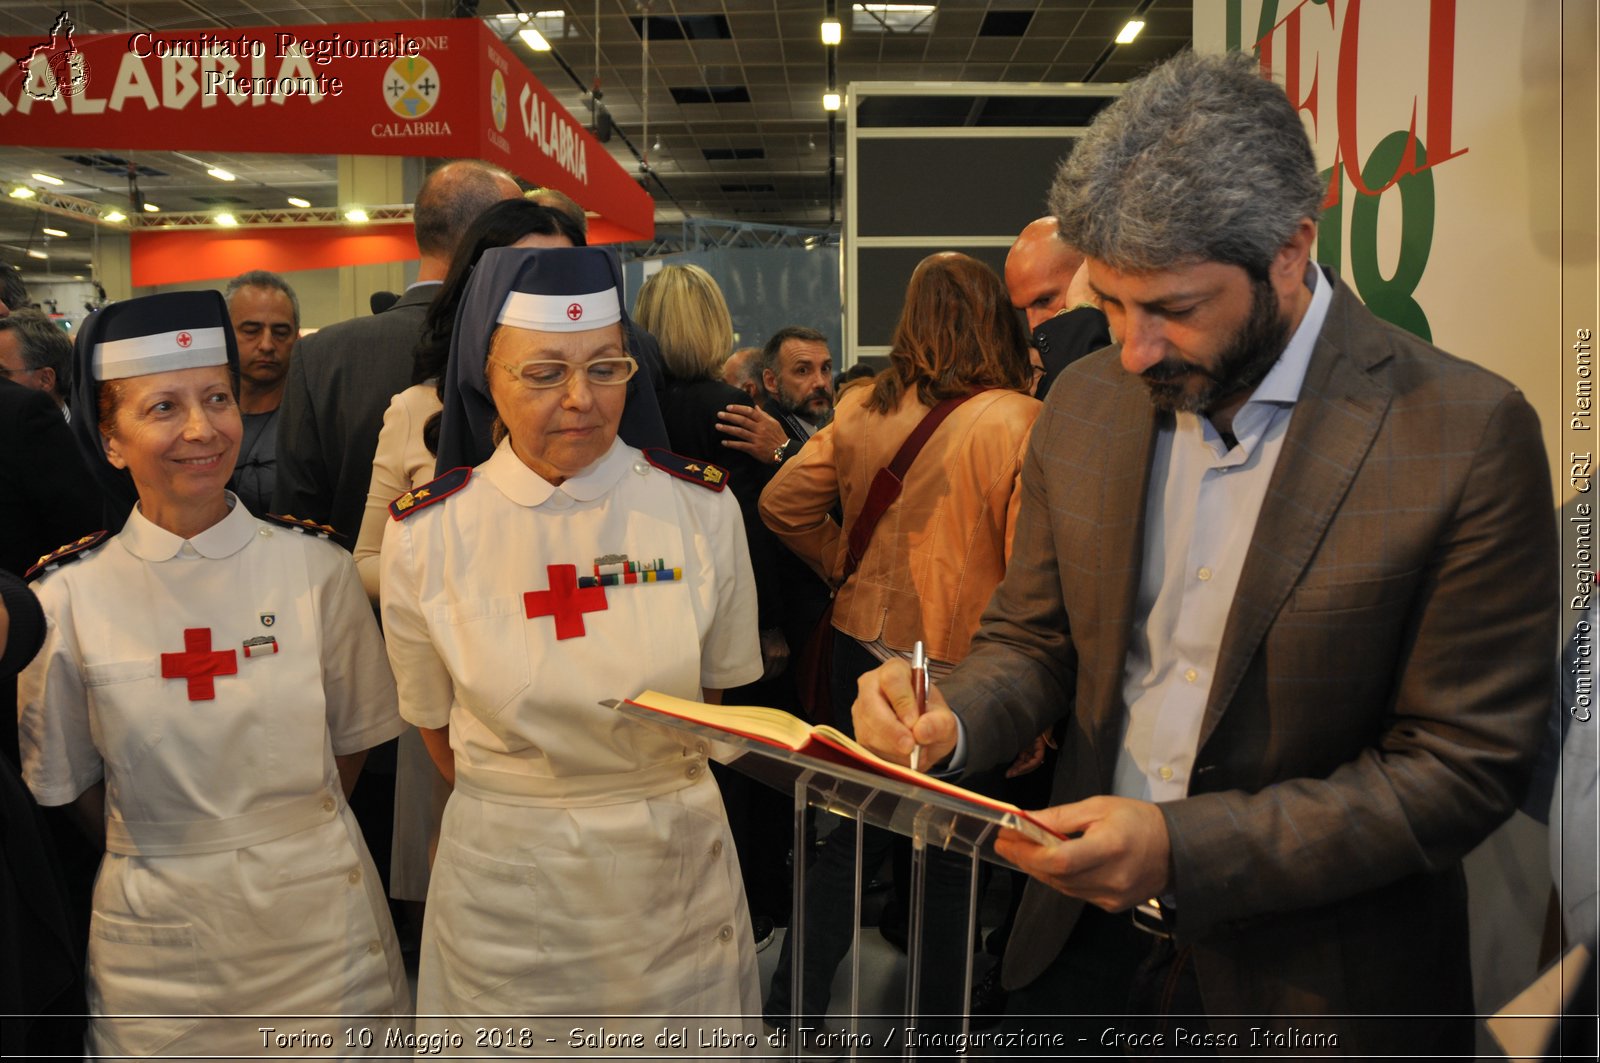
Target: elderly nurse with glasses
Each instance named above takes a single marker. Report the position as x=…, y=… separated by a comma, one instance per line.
x=585, y=867
x=209, y=684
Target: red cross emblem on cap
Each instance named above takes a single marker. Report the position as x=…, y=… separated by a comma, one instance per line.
x=575, y=311
x=184, y=339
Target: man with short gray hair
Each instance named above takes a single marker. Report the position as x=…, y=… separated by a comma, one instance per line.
x=36, y=353
x=266, y=325
x=1285, y=575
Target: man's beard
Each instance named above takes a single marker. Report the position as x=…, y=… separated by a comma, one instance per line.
x=1249, y=356
x=800, y=408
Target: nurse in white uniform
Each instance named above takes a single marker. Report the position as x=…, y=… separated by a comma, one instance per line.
x=208, y=687
x=585, y=875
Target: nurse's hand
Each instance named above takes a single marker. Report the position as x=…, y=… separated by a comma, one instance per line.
x=886, y=720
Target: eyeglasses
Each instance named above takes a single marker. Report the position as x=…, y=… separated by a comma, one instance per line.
x=550, y=373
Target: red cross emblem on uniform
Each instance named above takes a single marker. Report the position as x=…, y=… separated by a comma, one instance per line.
x=184, y=339
x=565, y=601
x=575, y=311
x=199, y=664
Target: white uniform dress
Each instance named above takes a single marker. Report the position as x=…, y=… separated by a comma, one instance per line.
x=585, y=866
x=235, y=880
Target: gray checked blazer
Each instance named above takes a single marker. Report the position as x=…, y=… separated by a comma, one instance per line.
x=1378, y=697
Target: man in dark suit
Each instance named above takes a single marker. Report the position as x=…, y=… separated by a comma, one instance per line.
x=1288, y=576
x=342, y=377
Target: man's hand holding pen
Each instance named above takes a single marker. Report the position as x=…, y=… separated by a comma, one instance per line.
x=887, y=721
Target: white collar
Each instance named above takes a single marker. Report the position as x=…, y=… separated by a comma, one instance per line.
x=527, y=488
x=223, y=539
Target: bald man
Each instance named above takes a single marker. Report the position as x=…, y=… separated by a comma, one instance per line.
x=1039, y=270
x=1047, y=282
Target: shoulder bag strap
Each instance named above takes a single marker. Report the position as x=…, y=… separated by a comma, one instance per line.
x=891, y=478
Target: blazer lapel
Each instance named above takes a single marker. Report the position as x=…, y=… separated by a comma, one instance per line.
x=1130, y=444
x=1340, y=410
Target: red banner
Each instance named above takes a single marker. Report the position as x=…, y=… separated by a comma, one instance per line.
x=443, y=88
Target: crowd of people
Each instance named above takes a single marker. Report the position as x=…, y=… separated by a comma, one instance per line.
x=1249, y=591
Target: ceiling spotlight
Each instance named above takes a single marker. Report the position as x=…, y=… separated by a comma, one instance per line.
x=657, y=145
x=811, y=143
x=1130, y=31
x=831, y=33
x=22, y=192
x=227, y=221
x=830, y=101
x=151, y=208
x=534, y=39
x=220, y=174
x=47, y=179
x=36, y=254
x=54, y=232
x=296, y=201
x=115, y=216
x=355, y=214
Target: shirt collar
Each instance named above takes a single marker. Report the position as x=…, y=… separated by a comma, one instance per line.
x=527, y=488
x=1282, y=383
x=223, y=539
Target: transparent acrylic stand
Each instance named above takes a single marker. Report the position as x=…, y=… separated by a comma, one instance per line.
x=926, y=817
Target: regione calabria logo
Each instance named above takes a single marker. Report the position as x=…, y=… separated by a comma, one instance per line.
x=411, y=87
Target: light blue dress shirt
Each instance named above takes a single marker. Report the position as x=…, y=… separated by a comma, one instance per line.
x=1200, y=516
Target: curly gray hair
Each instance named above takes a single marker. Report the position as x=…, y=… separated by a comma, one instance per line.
x=1202, y=159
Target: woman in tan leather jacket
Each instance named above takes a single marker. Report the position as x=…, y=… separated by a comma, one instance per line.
x=932, y=562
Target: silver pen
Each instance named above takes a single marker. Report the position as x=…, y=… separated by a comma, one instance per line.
x=919, y=689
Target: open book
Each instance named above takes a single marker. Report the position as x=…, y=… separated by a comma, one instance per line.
x=831, y=745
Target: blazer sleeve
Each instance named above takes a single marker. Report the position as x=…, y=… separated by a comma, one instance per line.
x=302, y=487
x=389, y=482
x=1449, y=757
x=1021, y=672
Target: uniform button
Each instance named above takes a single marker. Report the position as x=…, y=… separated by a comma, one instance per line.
x=1191, y=675
x=1165, y=773
x=327, y=804
x=641, y=467
x=1204, y=574
x=354, y=877
x=716, y=848
x=700, y=748
x=265, y=533
x=693, y=772
x=374, y=947
x=725, y=934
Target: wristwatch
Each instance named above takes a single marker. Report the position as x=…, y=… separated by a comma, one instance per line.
x=781, y=451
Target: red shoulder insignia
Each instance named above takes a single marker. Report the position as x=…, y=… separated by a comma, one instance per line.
x=695, y=471
x=429, y=493
x=62, y=555
x=305, y=527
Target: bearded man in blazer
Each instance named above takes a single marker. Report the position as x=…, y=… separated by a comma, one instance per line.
x=1286, y=576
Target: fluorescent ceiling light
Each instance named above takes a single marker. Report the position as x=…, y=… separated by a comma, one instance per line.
x=227, y=220
x=220, y=174
x=1130, y=31
x=22, y=192
x=355, y=214
x=151, y=208
x=550, y=14
x=47, y=179
x=534, y=40
x=115, y=216
x=830, y=101
x=831, y=33
x=36, y=254
x=54, y=232
x=296, y=201
x=892, y=18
